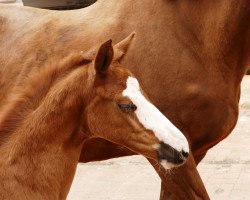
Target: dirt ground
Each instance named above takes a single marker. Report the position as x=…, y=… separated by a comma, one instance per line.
x=225, y=169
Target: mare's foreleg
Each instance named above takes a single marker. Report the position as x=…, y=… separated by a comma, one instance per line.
x=181, y=183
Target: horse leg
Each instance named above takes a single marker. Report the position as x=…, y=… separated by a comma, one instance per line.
x=181, y=183
x=199, y=157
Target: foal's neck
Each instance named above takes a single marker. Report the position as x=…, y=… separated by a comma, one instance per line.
x=43, y=143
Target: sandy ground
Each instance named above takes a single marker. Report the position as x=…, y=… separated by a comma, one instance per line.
x=225, y=169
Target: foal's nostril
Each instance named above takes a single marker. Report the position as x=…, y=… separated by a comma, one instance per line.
x=184, y=154
x=171, y=155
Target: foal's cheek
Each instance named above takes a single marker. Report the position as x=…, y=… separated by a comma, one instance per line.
x=100, y=119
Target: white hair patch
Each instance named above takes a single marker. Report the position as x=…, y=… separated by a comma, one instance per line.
x=152, y=119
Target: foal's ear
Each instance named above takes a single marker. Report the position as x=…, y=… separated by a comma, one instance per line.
x=104, y=58
x=122, y=47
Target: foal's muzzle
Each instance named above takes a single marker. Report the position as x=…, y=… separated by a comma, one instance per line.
x=170, y=156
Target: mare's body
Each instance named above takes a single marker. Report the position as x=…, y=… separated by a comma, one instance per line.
x=192, y=57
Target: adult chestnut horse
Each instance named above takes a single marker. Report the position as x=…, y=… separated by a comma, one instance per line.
x=44, y=126
x=190, y=57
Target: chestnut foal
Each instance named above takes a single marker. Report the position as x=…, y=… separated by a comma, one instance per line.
x=44, y=126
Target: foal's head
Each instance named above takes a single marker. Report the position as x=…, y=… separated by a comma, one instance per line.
x=120, y=112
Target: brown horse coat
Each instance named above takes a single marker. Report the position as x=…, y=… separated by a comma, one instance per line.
x=190, y=58
x=45, y=124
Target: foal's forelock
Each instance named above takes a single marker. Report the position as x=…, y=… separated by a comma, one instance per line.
x=152, y=119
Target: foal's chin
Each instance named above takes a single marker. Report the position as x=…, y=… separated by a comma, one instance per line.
x=168, y=166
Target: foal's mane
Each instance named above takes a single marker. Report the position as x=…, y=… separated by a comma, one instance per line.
x=36, y=86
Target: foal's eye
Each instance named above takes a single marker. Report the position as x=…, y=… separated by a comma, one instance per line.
x=127, y=107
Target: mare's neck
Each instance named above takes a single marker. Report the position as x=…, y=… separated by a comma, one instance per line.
x=211, y=34
x=40, y=156
x=218, y=32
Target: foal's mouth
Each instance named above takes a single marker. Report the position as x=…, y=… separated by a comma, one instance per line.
x=169, y=157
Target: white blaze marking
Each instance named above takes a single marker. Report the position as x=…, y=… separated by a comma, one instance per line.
x=152, y=119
